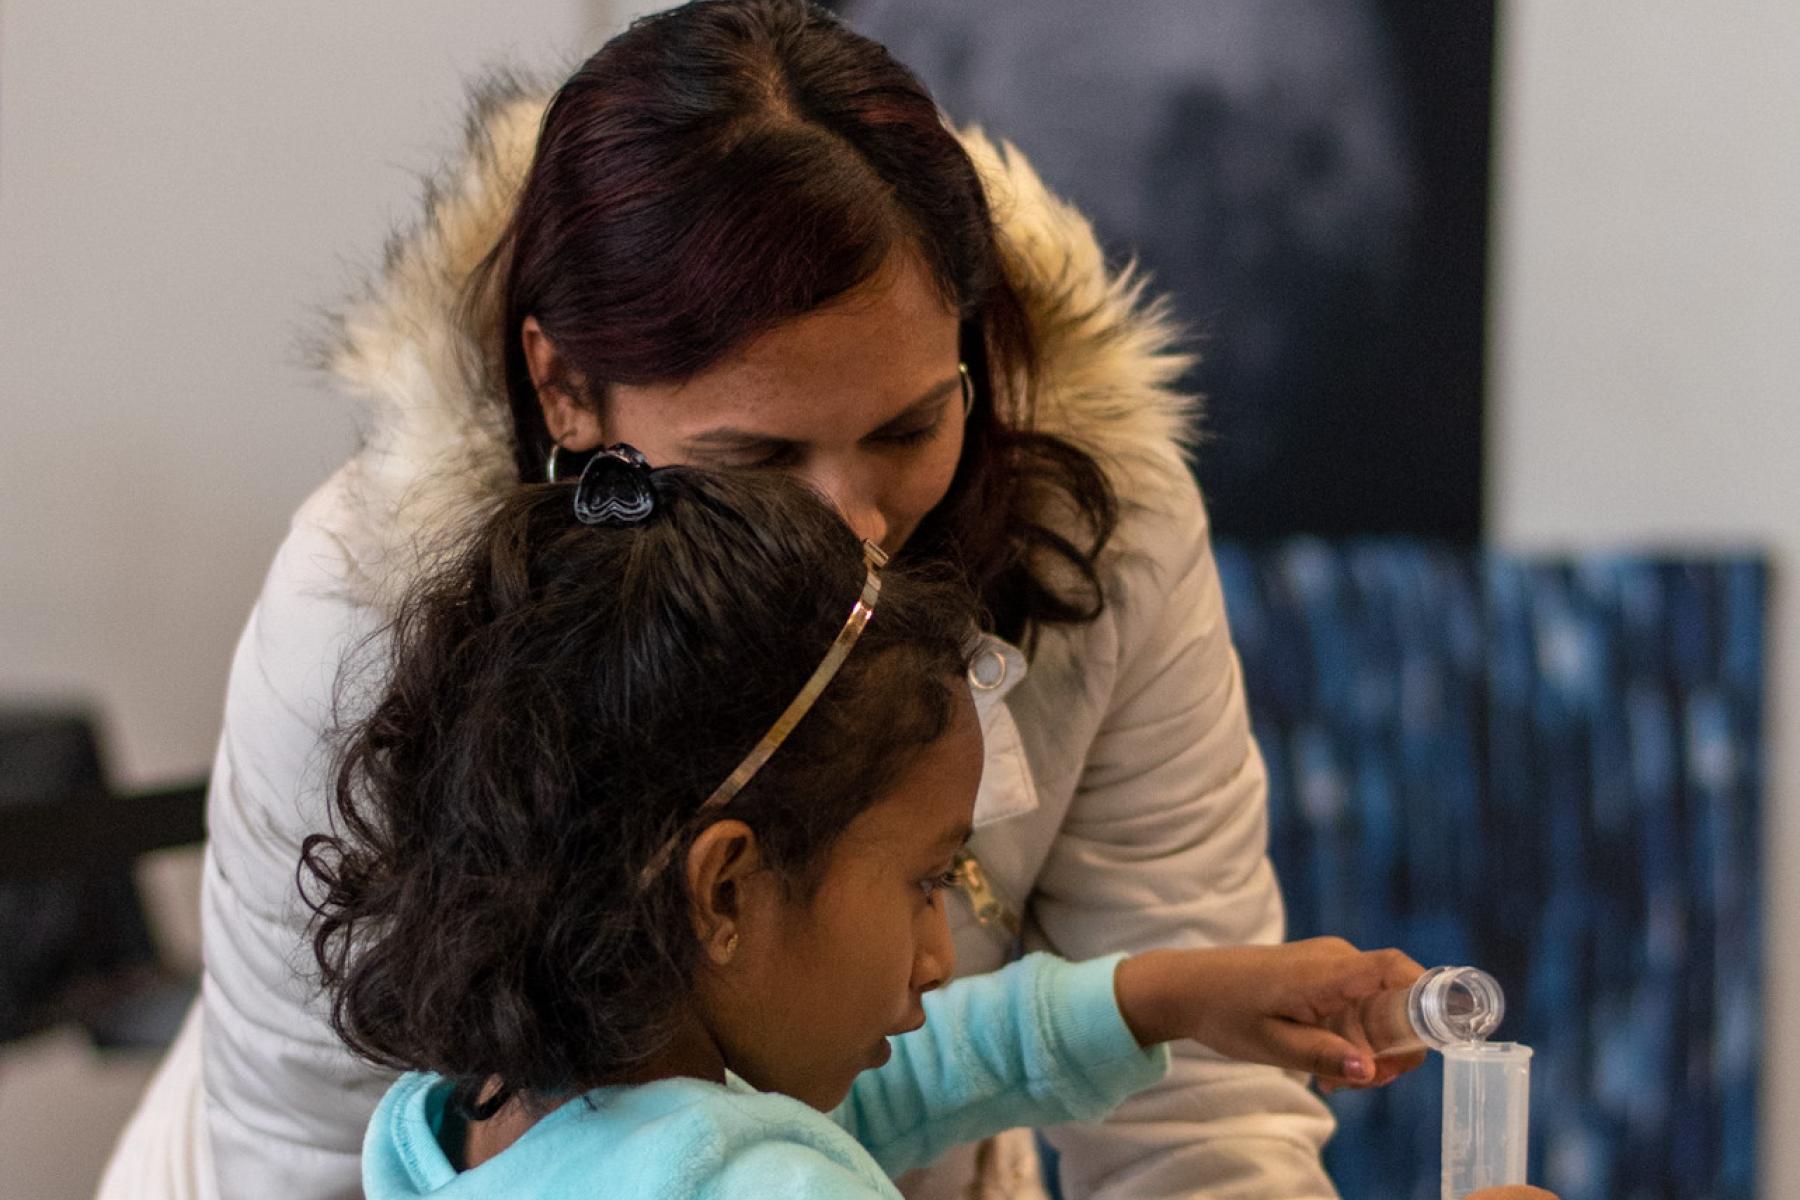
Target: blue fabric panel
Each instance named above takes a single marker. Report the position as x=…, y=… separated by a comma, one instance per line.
x=1550, y=770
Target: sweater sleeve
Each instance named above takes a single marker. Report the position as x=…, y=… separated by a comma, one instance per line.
x=1039, y=1042
x=1166, y=844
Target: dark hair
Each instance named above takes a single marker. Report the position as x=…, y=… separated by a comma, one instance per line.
x=561, y=699
x=728, y=165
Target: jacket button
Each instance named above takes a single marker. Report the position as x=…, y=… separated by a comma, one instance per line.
x=988, y=672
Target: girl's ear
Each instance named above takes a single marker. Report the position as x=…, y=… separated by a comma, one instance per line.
x=721, y=865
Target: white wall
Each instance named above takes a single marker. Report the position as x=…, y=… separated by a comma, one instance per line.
x=1646, y=351
x=182, y=183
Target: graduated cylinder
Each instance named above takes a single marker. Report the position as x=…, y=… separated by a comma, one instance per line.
x=1487, y=1116
x=1487, y=1085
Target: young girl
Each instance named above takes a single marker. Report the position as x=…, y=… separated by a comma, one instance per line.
x=640, y=870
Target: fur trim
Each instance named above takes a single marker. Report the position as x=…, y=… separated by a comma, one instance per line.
x=437, y=444
x=1110, y=353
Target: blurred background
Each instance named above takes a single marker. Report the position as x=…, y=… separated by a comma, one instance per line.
x=1498, y=302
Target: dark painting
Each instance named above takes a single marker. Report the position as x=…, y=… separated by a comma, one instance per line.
x=1309, y=179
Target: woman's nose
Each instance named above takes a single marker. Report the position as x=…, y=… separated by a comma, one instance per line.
x=869, y=525
x=857, y=504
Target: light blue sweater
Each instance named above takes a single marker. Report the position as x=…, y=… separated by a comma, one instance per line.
x=1038, y=1043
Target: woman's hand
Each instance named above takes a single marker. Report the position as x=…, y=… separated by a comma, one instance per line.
x=1295, y=1005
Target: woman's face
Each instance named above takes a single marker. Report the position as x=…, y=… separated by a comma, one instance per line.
x=861, y=399
x=818, y=984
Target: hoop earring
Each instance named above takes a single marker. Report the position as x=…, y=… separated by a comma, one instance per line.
x=968, y=389
x=550, y=463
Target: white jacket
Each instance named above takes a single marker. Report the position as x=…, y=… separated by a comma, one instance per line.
x=1123, y=804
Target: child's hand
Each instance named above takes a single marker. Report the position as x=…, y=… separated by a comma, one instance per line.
x=1293, y=1006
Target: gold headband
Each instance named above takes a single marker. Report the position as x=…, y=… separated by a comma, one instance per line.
x=874, y=558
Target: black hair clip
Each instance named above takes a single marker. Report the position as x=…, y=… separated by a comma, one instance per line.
x=615, y=488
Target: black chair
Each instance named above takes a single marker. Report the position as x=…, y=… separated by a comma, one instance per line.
x=75, y=944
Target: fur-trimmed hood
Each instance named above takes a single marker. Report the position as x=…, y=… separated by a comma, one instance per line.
x=438, y=441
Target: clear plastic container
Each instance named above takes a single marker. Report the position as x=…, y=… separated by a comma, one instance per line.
x=1487, y=1085
x=1487, y=1115
x=1447, y=1006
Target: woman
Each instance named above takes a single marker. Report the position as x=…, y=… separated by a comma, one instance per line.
x=745, y=238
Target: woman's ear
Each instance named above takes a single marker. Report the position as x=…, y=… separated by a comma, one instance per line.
x=724, y=880
x=572, y=425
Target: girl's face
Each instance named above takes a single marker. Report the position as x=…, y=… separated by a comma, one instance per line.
x=817, y=985
x=861, y=399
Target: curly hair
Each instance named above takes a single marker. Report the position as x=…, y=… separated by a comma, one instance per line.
x=559, y=700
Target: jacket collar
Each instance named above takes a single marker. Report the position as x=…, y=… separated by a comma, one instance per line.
x=437, y=439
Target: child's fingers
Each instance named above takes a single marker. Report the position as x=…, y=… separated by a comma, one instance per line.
x=1390, y=1067
x=1394, y=968
x=1323, y=1053
x=1333, y=976
x=1387, y=1069
x=1361, y=973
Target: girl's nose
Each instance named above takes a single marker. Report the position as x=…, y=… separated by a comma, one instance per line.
x=935, y=962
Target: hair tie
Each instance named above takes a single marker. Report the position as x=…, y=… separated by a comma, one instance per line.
x=614, y=488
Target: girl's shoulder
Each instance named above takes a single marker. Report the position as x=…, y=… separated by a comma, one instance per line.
x=688, y=1138
x=677, y=1138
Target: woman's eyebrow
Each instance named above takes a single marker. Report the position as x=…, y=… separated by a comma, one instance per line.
x=923, y=404
x=739, y=439
x=727, y=437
